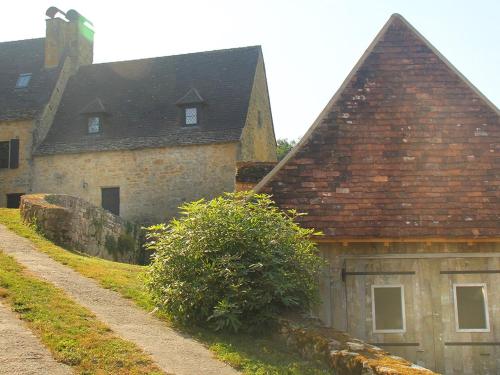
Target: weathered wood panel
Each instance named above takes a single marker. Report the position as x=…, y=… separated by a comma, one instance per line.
x=431, y=338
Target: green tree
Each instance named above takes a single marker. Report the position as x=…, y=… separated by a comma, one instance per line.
x=283, y=147
x=236, y=262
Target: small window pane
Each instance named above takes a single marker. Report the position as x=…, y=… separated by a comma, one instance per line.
x=23, y=80
x=388, y=308
x=94, y=124
x=471, y=307
x=4, y=154
x=191, y=116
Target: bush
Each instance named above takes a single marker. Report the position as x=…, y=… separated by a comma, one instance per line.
x=236, y=262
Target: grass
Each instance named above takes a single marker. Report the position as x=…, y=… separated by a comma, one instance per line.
x=261, y=355
x=70, y=331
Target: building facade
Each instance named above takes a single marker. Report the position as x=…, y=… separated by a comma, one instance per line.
x=401, y=174
x=136, y=137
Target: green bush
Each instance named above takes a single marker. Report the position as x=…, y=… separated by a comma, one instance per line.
x=236, y=262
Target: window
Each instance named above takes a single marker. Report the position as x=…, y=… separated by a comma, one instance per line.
x=9, y=154
x=388, y=309
x=259, y=119
x=14, y=200
x=94, y=125
x=110, y=199
x=191, y=115
x=471, y=308
x=23, y=80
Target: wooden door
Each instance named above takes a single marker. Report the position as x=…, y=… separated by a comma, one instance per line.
x=414, y=341
x=14, y=200
x=110, y=199
x=469, y=351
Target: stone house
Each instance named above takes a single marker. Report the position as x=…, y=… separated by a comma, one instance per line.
x=401, y=174
x=136, y=137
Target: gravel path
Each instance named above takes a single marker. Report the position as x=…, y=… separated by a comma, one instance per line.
x=21, y=353
x=173, y=352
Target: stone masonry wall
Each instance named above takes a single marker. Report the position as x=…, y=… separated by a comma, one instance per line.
x=153, y=182
x=73, y=222
x=16, y=180
x=258, y=142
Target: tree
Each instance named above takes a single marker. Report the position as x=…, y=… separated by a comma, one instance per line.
x=236, y=262
x=283, y=147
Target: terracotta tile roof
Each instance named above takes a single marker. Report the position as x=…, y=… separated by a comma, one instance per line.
x=18, y=57
x=407, y=148
x=141, y=99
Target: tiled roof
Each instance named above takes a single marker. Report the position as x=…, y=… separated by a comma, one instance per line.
x=24, y=56
x=141, y=101
x=406, y=149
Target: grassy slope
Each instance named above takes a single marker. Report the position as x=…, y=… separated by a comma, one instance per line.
x=253, y=355
x=70, y=331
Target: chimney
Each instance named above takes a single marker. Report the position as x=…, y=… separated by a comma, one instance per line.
x=72, y=36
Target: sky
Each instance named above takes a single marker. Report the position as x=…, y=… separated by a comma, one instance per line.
x=309, y=46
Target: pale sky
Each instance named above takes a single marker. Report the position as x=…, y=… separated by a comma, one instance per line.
x=309, y=46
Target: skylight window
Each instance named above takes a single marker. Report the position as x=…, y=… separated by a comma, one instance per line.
x=23, y=80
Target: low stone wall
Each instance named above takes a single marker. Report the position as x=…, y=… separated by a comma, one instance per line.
x=345, y=355
x=79, y=225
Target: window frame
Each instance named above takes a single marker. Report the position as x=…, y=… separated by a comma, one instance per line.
x=197, y=109
x=403, y=310
x=21, y=77
x=485, y=305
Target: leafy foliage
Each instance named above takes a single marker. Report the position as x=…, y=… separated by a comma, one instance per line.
x=283, y=147
x=236, y=261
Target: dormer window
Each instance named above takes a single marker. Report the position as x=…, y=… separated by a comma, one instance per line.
x=23, y=80
x=189, y=108
x=191, y=116
x=94, y=124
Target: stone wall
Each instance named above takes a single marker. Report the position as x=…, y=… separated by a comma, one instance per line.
x=16, y=180
x=258, y=142
x=153, y=182
x=77, y=224
x=343, y=354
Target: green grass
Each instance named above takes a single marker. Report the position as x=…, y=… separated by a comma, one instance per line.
x=262, y=355
x=70, y=331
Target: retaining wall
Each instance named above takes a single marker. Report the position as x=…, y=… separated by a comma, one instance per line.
x=79, y=225
x=343, y=354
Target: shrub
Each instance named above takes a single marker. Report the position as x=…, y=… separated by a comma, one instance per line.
x=236, y=262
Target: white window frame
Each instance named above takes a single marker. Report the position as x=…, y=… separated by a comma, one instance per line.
x=486, y=314
x=402, y=289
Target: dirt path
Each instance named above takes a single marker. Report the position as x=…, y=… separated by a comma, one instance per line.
x=173, y=352
x=21, y=353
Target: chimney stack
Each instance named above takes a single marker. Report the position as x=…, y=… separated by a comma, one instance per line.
x=72, y=36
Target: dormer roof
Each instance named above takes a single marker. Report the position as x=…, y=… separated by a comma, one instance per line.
x=191, y=97
x=94, y=107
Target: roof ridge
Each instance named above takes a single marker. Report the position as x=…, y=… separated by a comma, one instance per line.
x=176, y=55
x=21, y=40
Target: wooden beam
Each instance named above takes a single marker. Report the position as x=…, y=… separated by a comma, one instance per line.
x=425, y=240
